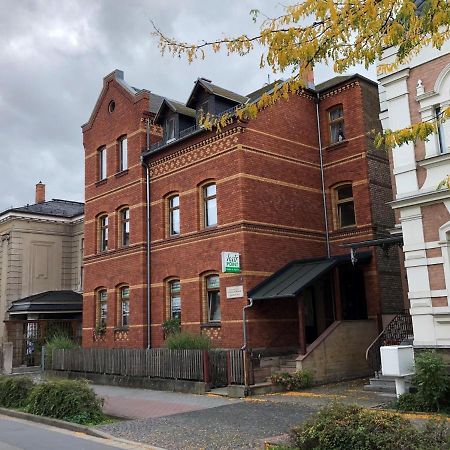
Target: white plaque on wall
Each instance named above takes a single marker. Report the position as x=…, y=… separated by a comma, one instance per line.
x=235, y=291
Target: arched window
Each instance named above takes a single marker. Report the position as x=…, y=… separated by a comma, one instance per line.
x=209, y=205
x=102, y=308
x=123, y=153
x=344, y=206
x=124, y=227
x=124, y=301
x=103, y=233
x=174, y=215
x=336, y=122
x=101, y=158
x=213, y=298
x=174, y=299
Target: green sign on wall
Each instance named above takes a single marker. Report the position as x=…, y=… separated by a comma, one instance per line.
x=231, y=262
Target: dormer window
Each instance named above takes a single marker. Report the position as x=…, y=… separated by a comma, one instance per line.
x=170, y=129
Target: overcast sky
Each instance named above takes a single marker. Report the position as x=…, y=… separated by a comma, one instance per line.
x=55, y=53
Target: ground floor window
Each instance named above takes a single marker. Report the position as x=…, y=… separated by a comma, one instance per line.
x=102, y=308
x=124, y=306
x=175, y=299
x=213, y=298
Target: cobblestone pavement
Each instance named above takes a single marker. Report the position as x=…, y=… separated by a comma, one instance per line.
x=243, y=425
x=184, y=421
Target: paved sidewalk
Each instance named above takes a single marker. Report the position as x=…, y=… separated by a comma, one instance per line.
x=144, y=403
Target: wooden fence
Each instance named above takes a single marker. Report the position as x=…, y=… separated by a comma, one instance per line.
x=218, y=368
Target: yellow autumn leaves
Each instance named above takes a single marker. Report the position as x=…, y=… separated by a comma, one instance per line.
x=347, y=32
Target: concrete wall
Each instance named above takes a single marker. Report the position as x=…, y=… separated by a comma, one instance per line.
x=340, y=353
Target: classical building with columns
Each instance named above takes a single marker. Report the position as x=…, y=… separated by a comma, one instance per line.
x=420, y=91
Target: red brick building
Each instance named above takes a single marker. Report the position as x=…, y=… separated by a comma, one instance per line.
x=257, y=189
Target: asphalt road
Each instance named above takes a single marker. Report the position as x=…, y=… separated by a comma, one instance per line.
x=16, y=434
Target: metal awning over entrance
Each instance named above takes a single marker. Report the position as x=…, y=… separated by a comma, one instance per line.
x=48, y=302
x=296, y=276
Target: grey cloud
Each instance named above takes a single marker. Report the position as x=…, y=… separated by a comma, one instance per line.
x=54, y=55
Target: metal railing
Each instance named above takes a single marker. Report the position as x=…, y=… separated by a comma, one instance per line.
x=397, y=331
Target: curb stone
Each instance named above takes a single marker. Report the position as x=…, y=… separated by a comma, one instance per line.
x=72, y=427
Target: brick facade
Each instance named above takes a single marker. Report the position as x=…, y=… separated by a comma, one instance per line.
x=269, y=208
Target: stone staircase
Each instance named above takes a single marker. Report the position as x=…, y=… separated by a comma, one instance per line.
x=384, y=384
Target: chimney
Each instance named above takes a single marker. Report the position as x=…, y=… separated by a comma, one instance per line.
x=308, y=76
x=40, y=192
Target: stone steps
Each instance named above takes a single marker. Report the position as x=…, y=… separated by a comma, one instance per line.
x=384, y=384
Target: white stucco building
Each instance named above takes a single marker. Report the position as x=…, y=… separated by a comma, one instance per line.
x=420, y=90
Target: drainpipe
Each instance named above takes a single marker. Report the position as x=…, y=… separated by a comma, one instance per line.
x=244, y=323
x=147, y=200
x=322, y=176
x=244, y=347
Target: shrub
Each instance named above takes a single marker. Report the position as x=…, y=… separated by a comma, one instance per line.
x=70, y=400
x=293, y=382
x=171, y=326
x=338, y=427
x=57, y=341
x=14, y=391
x=432, y=382
x=188, y=341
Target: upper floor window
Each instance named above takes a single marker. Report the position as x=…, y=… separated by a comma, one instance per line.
x=123, y=153
x=102, y=163
x=175, y=299
x=102, y=308
x=170, y=129
x=213, y=298
x=124, y=294
x=345, y=206
x=174, y=215
x=103, y=233
x=440, y=130
x=124, y=227
x=336, y=121
x=210, y=205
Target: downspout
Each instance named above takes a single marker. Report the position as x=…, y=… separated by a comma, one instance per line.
x=147, y=200
x=244, y=323
x=322, y=176
x=244, y=347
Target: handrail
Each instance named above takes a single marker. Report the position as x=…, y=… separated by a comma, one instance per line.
x=399, y=329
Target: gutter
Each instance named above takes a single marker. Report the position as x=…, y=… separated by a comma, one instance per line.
x=322, y=177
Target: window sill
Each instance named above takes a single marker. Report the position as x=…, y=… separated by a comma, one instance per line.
x=122, y=329
x=173, y=236
x=336, y=145
x=347, y=228
x=121, y=173
x=100, y=182
x=211, y=325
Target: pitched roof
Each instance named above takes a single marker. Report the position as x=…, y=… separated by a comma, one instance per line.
x=175, y=106
x=216, y=90
x=255, y=95
x=340, y=79
x=49, y=301
x=55, y=208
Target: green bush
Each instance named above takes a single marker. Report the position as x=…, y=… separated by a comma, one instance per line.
x=14, y=391
x=293, y=381
x=432, y=382
x=171, y=326
x=339, y=427
x=57, y=341
x=188, y=341
x=70, y=400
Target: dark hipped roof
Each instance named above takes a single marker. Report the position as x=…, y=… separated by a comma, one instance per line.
x=155, y=102
x=296, y=276
x=255, y=95
x=216, y=90
x=175, y=106
x=56, y=208
x=48, y=302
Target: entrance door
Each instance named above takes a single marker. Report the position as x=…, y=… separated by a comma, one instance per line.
x=353, y=293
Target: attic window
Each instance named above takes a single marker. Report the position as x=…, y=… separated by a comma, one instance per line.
x=111, y=106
